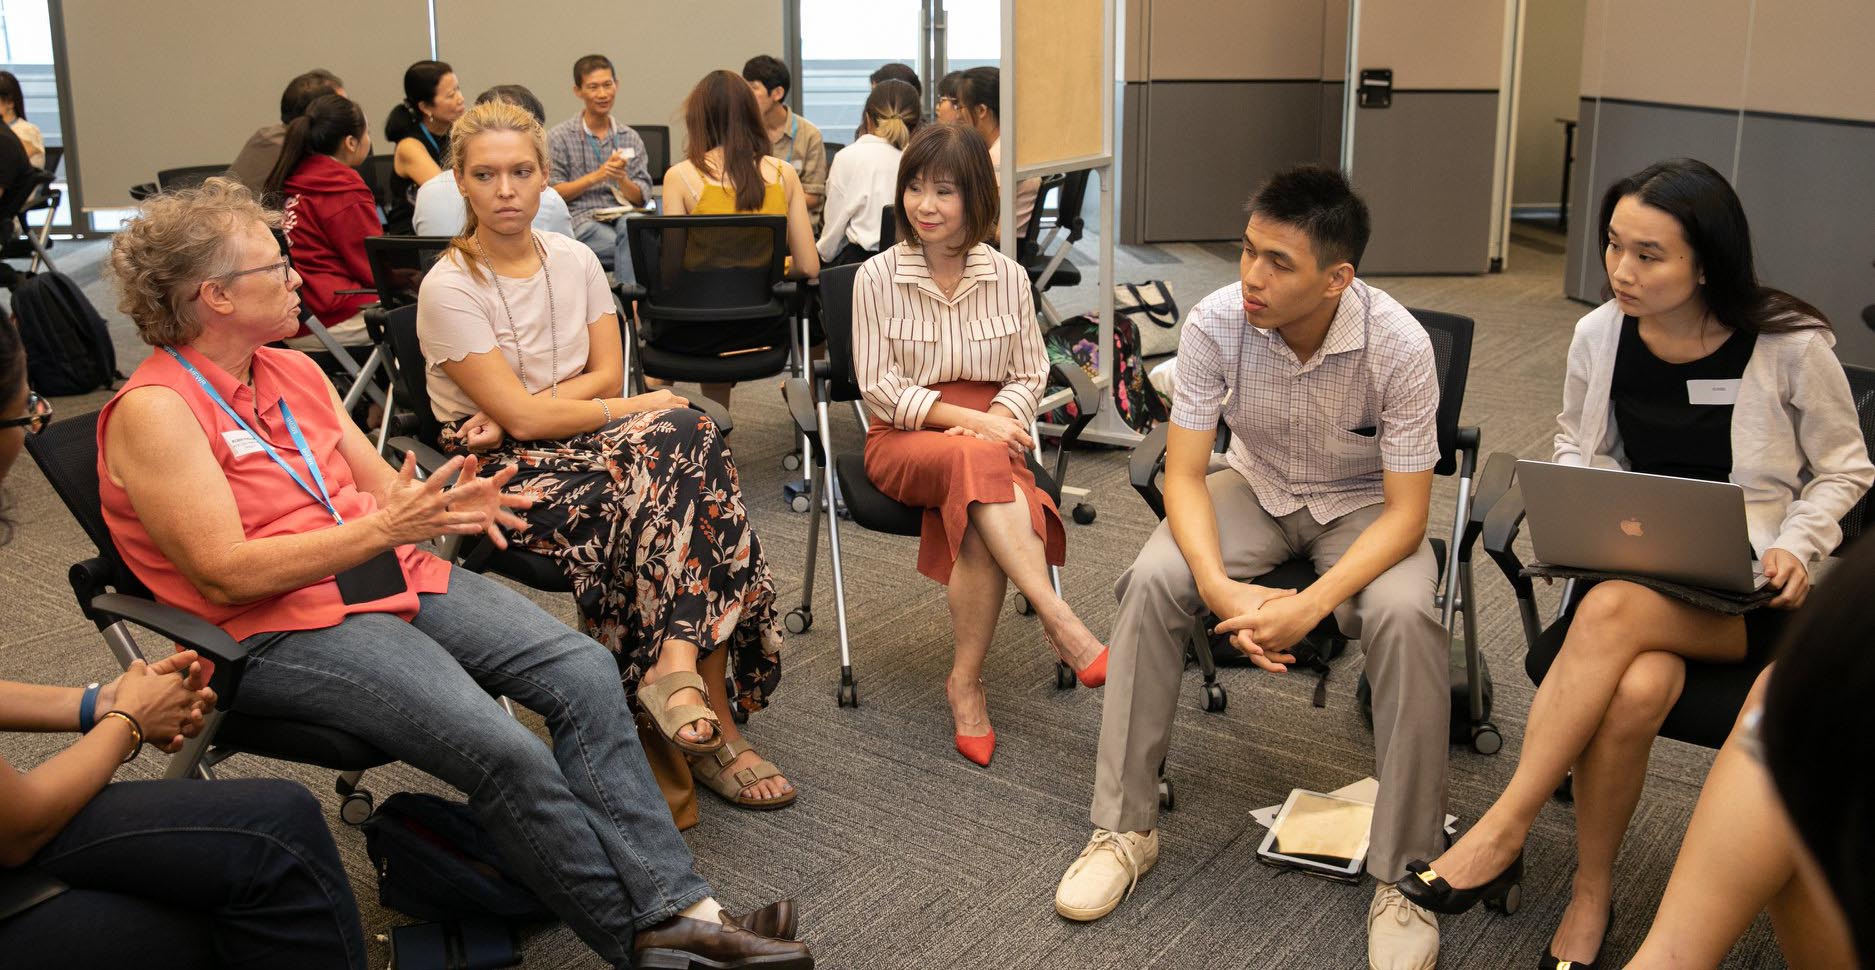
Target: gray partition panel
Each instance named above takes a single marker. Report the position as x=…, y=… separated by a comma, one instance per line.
x=1621, y=138
x=1208, y=144
x=1133, y=194
x=1333, y=94
x=1424, y=166
x=1809, y=192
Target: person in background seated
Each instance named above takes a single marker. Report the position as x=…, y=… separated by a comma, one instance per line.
x=897, y=72
x=727, y=171
x=327, y=213
x=791, y=138
x=13, y=113
x=1741, y=856
x=599, y=164
x=635, y=498
x=237, y=489
x=865, y=175
x=946, y=110
x=979, y=99
x=949, y=359
x=441, y=209
x=418, y=130
x=1816, y=708
x=185, y=873
x=1693, y=370
x=262, y=151
x=1331, y=394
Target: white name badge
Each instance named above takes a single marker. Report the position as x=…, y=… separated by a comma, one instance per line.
x=1712, y=392
x=241, y=443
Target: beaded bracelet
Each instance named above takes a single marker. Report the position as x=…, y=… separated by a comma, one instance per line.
x=607, y=408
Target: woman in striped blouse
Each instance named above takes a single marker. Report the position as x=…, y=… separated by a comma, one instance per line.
x=949, y=358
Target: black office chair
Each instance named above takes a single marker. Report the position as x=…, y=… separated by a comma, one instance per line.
x=1451, y=337
x=871, y=509
x=111, y=597
x=831, y=148
x=21, y=240
x=888, y=228
x=1049, y=268
x=715, y=279
x=170, y=179
x=377, y=172
x=1714, y=693
x=657, y=139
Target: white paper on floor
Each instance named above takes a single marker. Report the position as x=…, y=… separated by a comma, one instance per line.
x=1360, y=791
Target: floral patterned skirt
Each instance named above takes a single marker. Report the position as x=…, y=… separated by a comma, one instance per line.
x=645, y=517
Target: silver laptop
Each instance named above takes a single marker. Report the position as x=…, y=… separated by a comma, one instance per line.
x=1678, y=529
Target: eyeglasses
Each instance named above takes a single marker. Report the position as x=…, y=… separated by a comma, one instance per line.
x=953, y=102
x=38, y=415
x=284, y=266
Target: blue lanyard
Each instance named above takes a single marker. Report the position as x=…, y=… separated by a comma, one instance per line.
x=292, y=428
x=593, y=143
x=435, y=150
x=794, y=128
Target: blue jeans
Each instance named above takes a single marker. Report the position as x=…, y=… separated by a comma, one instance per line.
x=583, y=825
x=190, y=874
x=612, y=244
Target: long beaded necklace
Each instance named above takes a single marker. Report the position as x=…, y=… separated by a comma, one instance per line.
x=553, y=332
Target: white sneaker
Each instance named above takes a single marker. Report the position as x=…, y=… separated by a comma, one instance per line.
x=1400, y=934
x=1105, y=874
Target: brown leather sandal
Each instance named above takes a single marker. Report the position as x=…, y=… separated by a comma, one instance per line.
x=655, y=699
x=711, y=770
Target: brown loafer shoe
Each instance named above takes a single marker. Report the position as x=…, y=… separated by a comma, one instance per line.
x=689, y=944
x=775, y=920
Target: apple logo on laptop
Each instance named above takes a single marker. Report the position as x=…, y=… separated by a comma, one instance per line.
x=1631, y=527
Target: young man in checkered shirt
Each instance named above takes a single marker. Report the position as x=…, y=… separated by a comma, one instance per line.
x=1329, y=388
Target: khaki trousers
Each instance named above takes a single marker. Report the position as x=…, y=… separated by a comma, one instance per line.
x=1398, y=626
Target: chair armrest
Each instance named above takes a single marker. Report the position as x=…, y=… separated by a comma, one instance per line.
x=718, y=414
x=1147, y=462
x=187, y=630
x=1086, y=392
x=1500, y=532
x=632, y=292
x=428, y=458
x=788, y=292
x=1492, y=484
x=801, y=407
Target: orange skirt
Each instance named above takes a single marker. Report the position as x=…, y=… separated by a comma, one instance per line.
x=944, y=474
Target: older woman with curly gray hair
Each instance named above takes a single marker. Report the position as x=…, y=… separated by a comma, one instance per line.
x=239, y=490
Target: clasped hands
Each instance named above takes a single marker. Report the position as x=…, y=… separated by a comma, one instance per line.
x=1002, y=429
x=170, y=699
x=1265, y=624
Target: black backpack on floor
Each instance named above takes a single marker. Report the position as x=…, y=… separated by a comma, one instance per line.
x=68, y=349
x=435, y=862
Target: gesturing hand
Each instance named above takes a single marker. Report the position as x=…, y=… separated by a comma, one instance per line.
x=1785, y=571
x=415, y=511
x=486, y=496
x=170, y=698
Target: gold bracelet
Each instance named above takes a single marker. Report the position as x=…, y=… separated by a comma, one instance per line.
x=136, y=732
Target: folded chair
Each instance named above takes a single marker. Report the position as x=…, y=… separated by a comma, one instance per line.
x=871, y=509
x=113, y=598
x=1050, y=268
x=1458, y=455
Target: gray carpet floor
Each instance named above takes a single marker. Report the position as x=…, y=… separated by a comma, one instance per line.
x=902, y=855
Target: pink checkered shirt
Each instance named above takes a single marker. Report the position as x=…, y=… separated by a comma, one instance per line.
x=1314, y=433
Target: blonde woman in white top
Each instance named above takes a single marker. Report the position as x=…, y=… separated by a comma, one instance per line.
x=948, y=356
x=865, y=174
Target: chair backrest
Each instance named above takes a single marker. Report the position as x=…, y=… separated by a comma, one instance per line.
x=1071, y=201
x=1032, y=233
x=718, y=268
x=1451, y=357
x=830, y=149
x=67, y=454
x=1862, y=388
x=54, y=155
x=399, y=263
x=836, y=318
x=888, y=228
x=170, y=179
x=377, y=171
x=408, y=371
x=657, y=140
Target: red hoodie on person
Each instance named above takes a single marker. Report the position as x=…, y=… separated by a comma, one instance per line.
x=328, y=213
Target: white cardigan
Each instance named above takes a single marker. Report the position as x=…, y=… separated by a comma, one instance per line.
x=1797, y=448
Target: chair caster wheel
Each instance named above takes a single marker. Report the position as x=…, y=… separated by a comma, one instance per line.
x=1023, y=606
x=790, y=462
x=1215, y=698
x=1167, y=800
x=356, y=807
x=1064, y=676
x=849, y=695
x=800, y=503
x=798, y=621
x=1509, y=905
x=1486, y=740
x=1084, y=514
x=1566, y=792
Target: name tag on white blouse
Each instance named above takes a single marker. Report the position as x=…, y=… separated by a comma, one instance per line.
x=1712, y=392
x=241, y=443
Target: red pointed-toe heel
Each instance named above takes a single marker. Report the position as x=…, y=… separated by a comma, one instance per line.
x=979, y=749
x=1095, y=674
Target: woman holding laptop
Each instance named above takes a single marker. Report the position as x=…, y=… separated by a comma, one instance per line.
x=1697, y=371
